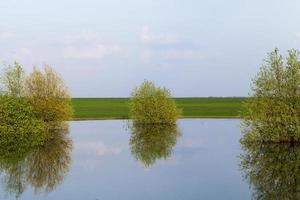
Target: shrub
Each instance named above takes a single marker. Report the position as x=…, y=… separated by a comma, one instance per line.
x=273, y=112
x=48, y=95
x=20, y=130
x=152, y=105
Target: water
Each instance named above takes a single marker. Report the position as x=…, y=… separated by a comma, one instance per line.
x=200, y=162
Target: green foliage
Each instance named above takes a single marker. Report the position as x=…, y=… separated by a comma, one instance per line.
x=152, y=142
x=152, y=105
x=48, y=95
x=20, y=130
x=12, y=80
x=45, y=91
x=272, y=170
x=273, y=111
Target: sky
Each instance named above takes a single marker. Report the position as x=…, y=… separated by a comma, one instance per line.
x=106, y=48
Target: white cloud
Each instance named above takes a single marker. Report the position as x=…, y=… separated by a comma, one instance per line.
x=87, y=44
x=149, y=37
x=25, y=52
x=6, y=35
x=183, y=54
x=297, y=36
x=86, y=35
x=170, y=48
x=21, y=53
x=172, y=54
x=91, y=52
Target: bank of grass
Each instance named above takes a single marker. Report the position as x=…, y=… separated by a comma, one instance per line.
x=117, y=108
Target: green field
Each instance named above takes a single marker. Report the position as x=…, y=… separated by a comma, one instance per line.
x=117, y=108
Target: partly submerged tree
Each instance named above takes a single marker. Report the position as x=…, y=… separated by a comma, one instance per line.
x=272, y=113
x=29, y=153
x=154, y=129
x=48, y=95
x=20, y=132
x=152, y=105
x=12, y=80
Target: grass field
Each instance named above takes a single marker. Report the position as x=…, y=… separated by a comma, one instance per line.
x=117, y=108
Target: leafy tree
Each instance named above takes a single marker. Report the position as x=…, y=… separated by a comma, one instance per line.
x=12, y=80
x=20, y=130
x=152, y=105
x=273, y=111
x=48, y=95
x=29, y=152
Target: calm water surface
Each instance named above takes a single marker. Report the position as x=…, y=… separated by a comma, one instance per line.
x=200, y=162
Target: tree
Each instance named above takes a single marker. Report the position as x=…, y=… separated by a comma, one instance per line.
x=29, y=152
x=20, y=129
x=272, y=113
x=48, y=95
x=152, y=105
x=12, y=80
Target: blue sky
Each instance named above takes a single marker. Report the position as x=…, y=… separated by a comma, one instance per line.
x=105, y=48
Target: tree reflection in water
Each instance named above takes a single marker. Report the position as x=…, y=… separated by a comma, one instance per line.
x=42, y=167
x=272, y=169
x=151, y=142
